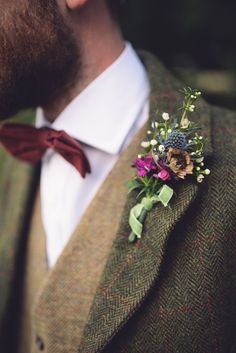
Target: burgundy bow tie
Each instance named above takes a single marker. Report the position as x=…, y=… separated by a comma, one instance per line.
x=29, y=144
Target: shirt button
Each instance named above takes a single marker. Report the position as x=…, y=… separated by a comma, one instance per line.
x=39, y=343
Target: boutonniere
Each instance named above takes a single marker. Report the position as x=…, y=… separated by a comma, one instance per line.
x=172, y=152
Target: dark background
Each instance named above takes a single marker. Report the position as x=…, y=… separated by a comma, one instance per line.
x=194, y=38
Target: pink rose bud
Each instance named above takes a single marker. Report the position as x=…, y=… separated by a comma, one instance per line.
x=164, y=174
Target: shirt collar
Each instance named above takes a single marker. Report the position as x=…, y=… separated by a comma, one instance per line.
x=103, y=114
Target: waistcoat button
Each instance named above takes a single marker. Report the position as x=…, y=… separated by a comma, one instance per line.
x=39, y=343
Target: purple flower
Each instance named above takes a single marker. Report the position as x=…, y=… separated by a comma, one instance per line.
x=145, y=165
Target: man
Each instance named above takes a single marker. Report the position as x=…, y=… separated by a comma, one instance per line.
x=70, y=281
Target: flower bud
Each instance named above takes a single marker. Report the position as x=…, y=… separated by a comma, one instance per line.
x=207, y=171
x=161, y=148
x=154, y=124
x=165, y=116
x=200, y=178
x=145, y=144
x=153, y=142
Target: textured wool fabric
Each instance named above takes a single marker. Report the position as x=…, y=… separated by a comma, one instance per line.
x=70, y=286
x=172, y=291
x=33, y=278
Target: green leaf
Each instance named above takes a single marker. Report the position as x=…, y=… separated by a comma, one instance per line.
x=133, y=184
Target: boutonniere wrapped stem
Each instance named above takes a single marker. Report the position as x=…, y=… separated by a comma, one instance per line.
x=172, y=152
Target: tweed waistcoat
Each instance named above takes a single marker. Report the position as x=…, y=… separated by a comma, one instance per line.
x=84, y=258
x=71, y=284
x=173, y=291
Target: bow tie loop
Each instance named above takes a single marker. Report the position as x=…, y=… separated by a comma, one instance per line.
x=29, y=144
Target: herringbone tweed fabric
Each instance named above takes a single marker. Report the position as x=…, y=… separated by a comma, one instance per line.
x=191, y=307
x=172, y=292
x=175, y=290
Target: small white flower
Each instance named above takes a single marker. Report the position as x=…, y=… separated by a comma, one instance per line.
x=161, y=148
x=202, y=164
x=198, y=168
x=165, y=116
x=153, y=142
x=200, y=137
x=207, y=171
x=191, y=108
x=149, y=132
x=192, y=153
x=193, y=97
x=189, y=141
x=185, y=123
x=139, y=156
x=198, y=93
x=145, y=144
x=154, y=124
x=163, y=132
x=200, y=160
x=200, y=178
x=169, y=131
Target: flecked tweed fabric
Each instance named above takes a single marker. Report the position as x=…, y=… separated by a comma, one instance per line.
x=172, y=292
x=63, y=301
x=35, y=273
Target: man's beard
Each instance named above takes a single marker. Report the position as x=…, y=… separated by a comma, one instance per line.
x=39, y=57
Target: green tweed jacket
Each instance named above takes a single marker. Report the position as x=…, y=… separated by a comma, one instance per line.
x=174, y=291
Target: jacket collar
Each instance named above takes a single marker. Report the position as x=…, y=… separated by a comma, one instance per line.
x=131, y=270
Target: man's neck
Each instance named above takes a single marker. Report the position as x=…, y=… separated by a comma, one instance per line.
x=99, y=51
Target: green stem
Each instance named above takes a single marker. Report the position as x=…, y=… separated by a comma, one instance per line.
x=166, y=129
x=186, y=109
x=183, y=116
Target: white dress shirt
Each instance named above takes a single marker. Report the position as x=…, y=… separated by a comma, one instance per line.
x=104, y=118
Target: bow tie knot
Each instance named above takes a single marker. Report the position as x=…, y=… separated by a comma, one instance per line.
x=29, y=144
x=48, y=137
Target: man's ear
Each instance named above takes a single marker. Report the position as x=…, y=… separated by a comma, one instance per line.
x=75, y=4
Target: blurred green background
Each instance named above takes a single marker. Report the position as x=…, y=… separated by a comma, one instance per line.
x=194, y=38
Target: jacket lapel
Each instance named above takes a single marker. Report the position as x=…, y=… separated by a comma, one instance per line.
x=131, y=270
x=16, y=181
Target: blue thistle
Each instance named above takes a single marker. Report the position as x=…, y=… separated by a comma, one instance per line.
x=176, y=139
